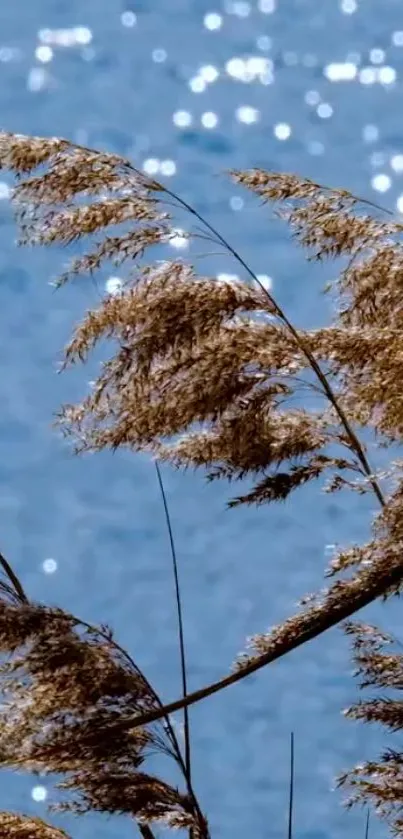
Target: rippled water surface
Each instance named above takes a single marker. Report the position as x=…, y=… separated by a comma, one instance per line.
x=189, y=89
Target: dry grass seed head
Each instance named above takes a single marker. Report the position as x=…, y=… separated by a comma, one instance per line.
x=187, y=356
x=281, y=186
x=180, y=334
x=378, y=783
x=64, y=690
x=21, y=154
x=370, y=289
x=115, y=193
x=16, y=826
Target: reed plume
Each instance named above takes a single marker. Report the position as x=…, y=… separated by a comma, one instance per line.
x=64, y=685
x=208, y=373
x=15, y=826
x=379, y=663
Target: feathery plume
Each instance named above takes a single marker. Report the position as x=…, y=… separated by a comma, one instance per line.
x=64, y=686
x=379, y=782
x=207, y=374
x=15, y=826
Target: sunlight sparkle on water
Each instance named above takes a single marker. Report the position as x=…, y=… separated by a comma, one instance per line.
x=381, y=182
x=344, y=71
x=179, y=240
x=208, y=73
x=382, y=75
x=49, y=566
x=377, y=56
x=240, y=8
x=368, y=75
x=209, y=119
x=324, y=110
x=266, y=281
x=212, y=21
x=39, y=793
x=151, y=166
x=282, y=131
x=168, y=168
x=247, y=114
x=159, y=55
x=182, y=119
x=249, y=69
x=312, y=97
x=113, y=285
x=75, y=36
x=197, y=84
x=348, y=7
x=128, y=19
x=44, y=53
x=258, y=67
x=267, y=6
x=5, y=191
x=396, y=162
x=387, y=75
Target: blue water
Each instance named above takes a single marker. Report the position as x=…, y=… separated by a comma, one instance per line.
x=116, y=77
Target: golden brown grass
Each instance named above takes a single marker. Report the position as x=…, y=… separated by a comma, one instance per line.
x=14, y=826
x=65, y=685
x=205, y=373
x=378, y=782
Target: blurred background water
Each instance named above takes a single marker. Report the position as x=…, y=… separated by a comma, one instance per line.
x=189, y=88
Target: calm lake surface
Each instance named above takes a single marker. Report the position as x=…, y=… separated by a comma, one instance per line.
x=188, y=89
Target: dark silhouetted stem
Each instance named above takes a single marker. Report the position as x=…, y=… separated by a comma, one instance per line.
x=367, y=826
x=291, y=796
x=180, y=621
x=14, y=579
